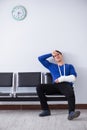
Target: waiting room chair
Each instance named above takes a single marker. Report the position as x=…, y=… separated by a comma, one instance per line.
x=27, y=82
x=6, y=84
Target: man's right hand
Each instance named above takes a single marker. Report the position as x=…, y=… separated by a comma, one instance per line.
x=54, y=53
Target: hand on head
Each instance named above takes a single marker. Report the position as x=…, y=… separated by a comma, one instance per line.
x=54, y=53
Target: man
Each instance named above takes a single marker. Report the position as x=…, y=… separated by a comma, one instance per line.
x=63, y=76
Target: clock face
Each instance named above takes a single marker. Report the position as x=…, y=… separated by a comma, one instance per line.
x=19, y=12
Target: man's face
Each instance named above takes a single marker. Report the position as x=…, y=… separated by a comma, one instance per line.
x=58, y=57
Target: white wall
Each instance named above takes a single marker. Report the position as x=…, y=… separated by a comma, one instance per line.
x=49, y=25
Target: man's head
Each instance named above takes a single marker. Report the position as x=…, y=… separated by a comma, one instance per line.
x=57, y=55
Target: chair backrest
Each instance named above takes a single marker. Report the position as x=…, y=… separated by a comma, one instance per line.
x=29, y=79
x=6, y=79
x=48, y=78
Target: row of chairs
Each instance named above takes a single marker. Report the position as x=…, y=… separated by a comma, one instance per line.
x=12, y=83
x=21, y=86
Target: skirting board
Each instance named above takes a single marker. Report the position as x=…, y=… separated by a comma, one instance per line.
x=37, y=107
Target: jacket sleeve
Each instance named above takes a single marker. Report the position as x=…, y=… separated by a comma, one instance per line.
x=43, y=60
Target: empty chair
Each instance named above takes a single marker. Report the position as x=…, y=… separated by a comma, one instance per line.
x=27, y=82
x=6, y=84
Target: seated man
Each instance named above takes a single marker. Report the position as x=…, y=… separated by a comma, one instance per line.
x=63, y=76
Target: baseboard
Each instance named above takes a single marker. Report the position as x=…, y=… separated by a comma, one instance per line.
x=37, y=107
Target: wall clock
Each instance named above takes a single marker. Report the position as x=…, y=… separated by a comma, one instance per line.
x=19, y=12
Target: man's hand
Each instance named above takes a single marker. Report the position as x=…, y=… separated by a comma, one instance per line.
x=56, y=81
x=54, y=53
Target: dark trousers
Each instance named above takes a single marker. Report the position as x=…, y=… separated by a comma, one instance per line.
x=64, y=88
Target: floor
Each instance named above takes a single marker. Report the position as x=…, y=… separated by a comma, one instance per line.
x=29, y=120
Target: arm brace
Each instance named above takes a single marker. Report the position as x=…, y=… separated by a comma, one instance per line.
x=70, y=78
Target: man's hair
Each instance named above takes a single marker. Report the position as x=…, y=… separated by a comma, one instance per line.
x=59, y=52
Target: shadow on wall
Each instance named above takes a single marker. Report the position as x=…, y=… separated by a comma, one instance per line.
x=81, y=79
x=70, y=58
x=80, y=85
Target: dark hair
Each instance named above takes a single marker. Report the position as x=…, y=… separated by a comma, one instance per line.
x=58, y=52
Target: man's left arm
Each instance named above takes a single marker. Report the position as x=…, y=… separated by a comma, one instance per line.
x=70, y=78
